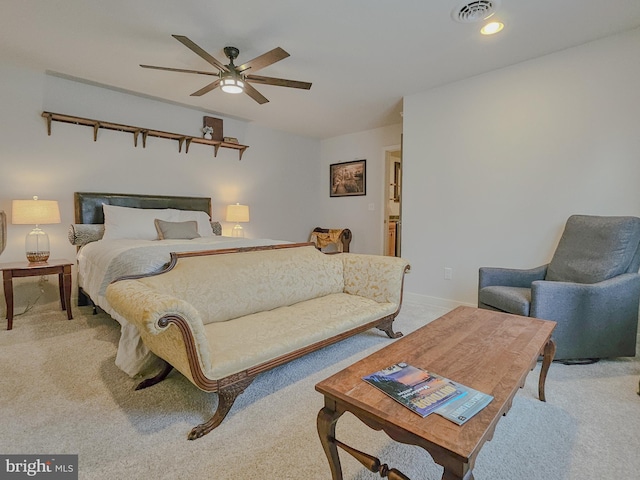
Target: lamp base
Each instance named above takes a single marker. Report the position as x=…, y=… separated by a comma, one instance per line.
x=238, y=231
x=37, y=257
x=37, y=246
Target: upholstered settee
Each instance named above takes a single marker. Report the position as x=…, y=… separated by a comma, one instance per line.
x=222, y=317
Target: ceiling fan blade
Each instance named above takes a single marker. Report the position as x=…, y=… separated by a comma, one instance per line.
x=182, y=70
x=255, y=94
x=280, y=82
x=206, y=89
x=199, y=51
x=264, y=60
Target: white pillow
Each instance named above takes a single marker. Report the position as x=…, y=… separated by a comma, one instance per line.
x=134, y=223
x=203, y=219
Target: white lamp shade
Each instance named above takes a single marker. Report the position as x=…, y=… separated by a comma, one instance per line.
x=237, y=213
x=34, y=212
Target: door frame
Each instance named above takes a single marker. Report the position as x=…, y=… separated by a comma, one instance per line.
x=387, y=165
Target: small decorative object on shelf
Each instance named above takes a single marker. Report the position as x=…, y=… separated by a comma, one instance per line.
x=208, y=133
x=216, y=125
x=230, y=140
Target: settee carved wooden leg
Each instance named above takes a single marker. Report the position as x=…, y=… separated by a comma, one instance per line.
x=157, y=379
x=387, y=327
x=226, y=397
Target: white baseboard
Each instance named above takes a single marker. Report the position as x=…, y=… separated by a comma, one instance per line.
x=434, y=301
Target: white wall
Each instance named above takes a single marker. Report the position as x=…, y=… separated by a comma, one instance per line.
x=353, y=212
x=494, y=165
x=277, y=176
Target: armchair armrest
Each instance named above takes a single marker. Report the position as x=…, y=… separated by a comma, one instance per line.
x=510, y=277
x=613, y=298
x=596, y=320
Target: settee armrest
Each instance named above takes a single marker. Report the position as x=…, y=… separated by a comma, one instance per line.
x=377, y=277
x=148, y=309
x=510, y=277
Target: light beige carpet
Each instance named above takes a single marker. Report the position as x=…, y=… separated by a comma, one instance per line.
x=61, y=393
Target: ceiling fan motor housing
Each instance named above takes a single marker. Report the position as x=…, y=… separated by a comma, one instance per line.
x=231, y=53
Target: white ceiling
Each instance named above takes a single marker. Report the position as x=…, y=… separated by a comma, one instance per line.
x=362, y=56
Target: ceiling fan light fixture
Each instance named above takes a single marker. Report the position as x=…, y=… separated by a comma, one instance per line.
x=232, y=85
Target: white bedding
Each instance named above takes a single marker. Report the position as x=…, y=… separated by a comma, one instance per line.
x=101, y=262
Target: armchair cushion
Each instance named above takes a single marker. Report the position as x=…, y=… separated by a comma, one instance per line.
x=516, y=300
x=593, y=249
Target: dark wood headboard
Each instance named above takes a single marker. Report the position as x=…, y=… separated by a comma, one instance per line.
x=88, y=205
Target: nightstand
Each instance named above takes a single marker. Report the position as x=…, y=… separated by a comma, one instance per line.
x=26, y=269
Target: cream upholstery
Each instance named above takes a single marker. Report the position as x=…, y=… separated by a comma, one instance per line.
x=223, y=287
x=253, y=339
x=245, y=309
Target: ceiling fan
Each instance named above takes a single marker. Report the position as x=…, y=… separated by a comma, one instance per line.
x=236, y=79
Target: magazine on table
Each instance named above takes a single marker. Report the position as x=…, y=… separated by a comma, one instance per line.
x=425, y=392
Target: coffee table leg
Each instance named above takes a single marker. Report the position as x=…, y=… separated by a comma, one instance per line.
x=549, y=353
x=327, y=419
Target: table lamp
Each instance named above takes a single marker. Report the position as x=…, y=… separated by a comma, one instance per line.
x=35, y=212
x=237, y=213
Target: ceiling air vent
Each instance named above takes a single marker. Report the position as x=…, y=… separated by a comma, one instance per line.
x=474, y=10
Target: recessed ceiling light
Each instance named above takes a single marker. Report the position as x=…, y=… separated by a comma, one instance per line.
x=491, y=28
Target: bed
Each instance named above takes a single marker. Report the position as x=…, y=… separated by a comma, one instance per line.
x=123, y=246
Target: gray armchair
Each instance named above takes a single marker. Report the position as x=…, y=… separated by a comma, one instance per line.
x=591, y=288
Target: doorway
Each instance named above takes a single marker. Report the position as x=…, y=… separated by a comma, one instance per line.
x=392, y=224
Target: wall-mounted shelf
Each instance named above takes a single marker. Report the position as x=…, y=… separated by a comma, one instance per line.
x=141, y=132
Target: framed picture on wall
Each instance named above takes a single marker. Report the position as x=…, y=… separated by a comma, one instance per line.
x=348, y=179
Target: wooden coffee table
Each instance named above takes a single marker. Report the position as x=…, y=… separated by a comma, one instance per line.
x=490, y=351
